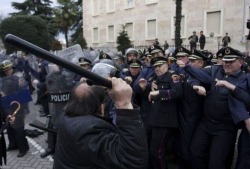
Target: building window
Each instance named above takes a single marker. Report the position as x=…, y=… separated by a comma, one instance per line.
x=129, y=4
x=130, y=30
x=111, y=33
x=213, y=23
x=110, y=5
x=95, y=35
x=151, y=29
x=148, y=2
x=183, y=27
x=95, y=7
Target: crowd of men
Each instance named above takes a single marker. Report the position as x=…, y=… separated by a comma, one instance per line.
x=193, y=102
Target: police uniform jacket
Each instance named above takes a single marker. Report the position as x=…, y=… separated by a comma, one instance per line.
x=243, y=95
x=164, y=107
x=92, y=142
x=220, y=107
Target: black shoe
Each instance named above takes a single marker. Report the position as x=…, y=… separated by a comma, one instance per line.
x=12, y=147
x=22, y=154
x=47, y=153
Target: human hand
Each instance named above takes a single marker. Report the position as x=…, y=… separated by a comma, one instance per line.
x=35, y=82
x=143, y=83
x=128, y=79
x=200, y=90
x=152, y=94
x=154, y=86
x=180, y=63
x=11, y=119
x=121, y=93
x=83, y=79
x=225, y=83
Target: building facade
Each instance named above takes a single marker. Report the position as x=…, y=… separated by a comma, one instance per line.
x=146, y=20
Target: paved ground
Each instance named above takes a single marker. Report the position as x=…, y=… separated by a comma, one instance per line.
x=32, y=159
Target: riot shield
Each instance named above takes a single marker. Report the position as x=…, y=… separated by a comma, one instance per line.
x=59, y=85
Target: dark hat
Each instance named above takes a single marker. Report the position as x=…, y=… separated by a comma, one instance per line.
x=155, y=49
x=181, y=51
x=217, y=55
x=84, y=61
x=197, y=55
x=158, y=61
x=134, y=63
x=230, y=54
x=104, y=56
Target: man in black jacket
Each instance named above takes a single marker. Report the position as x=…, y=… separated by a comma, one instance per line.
x=87, y=140
x=202, y=40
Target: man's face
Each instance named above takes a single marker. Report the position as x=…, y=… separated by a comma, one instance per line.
x=131, y=56
x=8, y=71
x=134, y=71
x=158, y=54
x=183, y=59
x=232, y=67
x=161, y=69
x=85, y=66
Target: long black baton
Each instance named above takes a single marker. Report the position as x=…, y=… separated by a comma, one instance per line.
x=31, y=48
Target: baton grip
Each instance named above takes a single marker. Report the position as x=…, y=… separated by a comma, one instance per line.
x=42, y=53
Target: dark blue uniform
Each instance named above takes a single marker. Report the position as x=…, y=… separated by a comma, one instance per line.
x=163, y=118
x=217, y=131
x=243, y=160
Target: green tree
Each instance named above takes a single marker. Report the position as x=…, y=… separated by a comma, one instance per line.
x=65, y=17
x=123, y=40
x=30, y=28
x=77, y=36
x=178, y=17
x=41, y=8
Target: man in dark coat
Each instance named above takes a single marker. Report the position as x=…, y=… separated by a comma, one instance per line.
x=202, y=40
x=86, y=140
x=165, y=92
x=216, y=134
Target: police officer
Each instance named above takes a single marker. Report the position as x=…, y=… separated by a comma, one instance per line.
x=16, y=134
x=181, y=54
x=135, y=67
x=216, y=133
x=85, y=63
x=190, y=112
x=40, y=82
x=165, y=92
x=243, y=158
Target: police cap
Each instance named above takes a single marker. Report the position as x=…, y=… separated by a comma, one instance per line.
x=158, y=61
x=135, y=63
x=197, y=55
x=181, y=52
x=104, y=56
x=84, y=61
x=230, y=54
x=155, y=49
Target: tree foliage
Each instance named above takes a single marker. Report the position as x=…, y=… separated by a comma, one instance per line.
x=77, y=36
x=30, y=28
x=66, y=16
x=123, y=40
x=41, y=8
